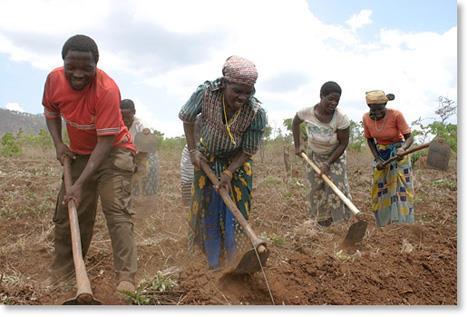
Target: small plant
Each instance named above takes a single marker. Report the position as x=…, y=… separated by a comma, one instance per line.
x=5, y=300
x=161, y=282
x=447, y=183
x=138, y=297
x=13, y=279
x=342, y=256
x=287, y=194
x=148, y=289
x=272, y=180
x=277, y=240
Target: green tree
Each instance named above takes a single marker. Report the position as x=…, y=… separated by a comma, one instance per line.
x=267, y=132
x=175, y=142
x=44, y=140
x=10, y=146
x=440, y=127
x=287, y=123
x=159, y=138
x=446, y=109
x=356, y=135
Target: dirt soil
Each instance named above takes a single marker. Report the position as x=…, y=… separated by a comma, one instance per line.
x=397, y=265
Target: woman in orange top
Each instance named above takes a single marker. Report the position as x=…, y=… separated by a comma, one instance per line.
x=389, y=135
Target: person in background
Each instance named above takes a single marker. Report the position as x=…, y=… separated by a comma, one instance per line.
x=232, y=123
x=186, y=168
x=146, y=179
x=102, y=156
x=389, y=135
x=134, y=125
x=328, y=136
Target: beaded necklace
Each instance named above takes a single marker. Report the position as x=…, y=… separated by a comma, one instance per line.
x=229, y=124
x=383, y=124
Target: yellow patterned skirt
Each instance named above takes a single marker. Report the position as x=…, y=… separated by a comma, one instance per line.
x=212, y=225
x=392, y=189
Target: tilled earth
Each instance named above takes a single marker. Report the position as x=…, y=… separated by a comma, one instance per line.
x=397, y=265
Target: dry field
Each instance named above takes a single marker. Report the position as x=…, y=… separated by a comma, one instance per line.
x=399, y=265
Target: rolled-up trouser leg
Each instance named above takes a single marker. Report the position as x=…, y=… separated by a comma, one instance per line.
x=114, y=188
x=86, y=210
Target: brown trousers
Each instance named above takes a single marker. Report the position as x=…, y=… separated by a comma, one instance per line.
x=112, y=183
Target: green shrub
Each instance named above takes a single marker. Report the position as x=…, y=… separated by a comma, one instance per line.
x=10, y=146
x=417, y=155
x=356, y=136
x=440, y=128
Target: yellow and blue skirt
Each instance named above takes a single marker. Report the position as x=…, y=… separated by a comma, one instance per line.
x=392, y=189
x=212, y=225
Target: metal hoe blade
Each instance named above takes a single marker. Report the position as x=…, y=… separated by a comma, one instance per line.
x=83, y=299
x=145, y=142
x=249, y=263
x=438, y=155
x=356, y=232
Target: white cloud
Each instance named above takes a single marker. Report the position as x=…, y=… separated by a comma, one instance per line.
x=167, y=48
x=150, y=118
x=52, y=17
x=360, y=19
x=13, y=106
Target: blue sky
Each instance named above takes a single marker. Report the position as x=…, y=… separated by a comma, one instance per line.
x=405, y=15
x=158, y=53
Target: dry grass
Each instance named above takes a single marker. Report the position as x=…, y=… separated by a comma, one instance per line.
x=28, y=187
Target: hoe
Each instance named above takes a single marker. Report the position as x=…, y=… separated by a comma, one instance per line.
x=253, y=260
x=84, y=295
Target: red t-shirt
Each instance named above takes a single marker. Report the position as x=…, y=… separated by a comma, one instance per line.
x=89, y=113
x=388, y=130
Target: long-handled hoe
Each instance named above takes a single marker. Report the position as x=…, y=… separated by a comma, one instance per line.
x=254, y=259
x=84, y=294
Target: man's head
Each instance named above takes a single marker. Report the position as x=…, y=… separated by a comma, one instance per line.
x=80, y=56
x=127, y=107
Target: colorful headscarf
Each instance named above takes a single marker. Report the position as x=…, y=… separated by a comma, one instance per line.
x=377, y=97
x=240, y=70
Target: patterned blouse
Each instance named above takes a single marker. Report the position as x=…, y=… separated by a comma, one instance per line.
x=247, y=129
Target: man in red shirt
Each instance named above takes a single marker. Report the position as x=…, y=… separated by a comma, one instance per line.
x=103, y=157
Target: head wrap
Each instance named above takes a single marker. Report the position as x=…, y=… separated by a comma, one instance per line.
x=377, y=97
x=240, y=70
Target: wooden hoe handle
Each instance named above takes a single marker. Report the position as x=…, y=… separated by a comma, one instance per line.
x=337, y=191
x=258, y=243
x=416, y=148
x=82, y=281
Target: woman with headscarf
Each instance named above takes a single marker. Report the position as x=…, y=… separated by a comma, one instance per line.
x=327, y=138
x=231, y=128
x=389, y=135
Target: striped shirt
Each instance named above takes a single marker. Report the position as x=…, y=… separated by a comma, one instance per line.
x=247, y=129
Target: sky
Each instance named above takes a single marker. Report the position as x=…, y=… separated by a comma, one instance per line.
x=158, y=52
